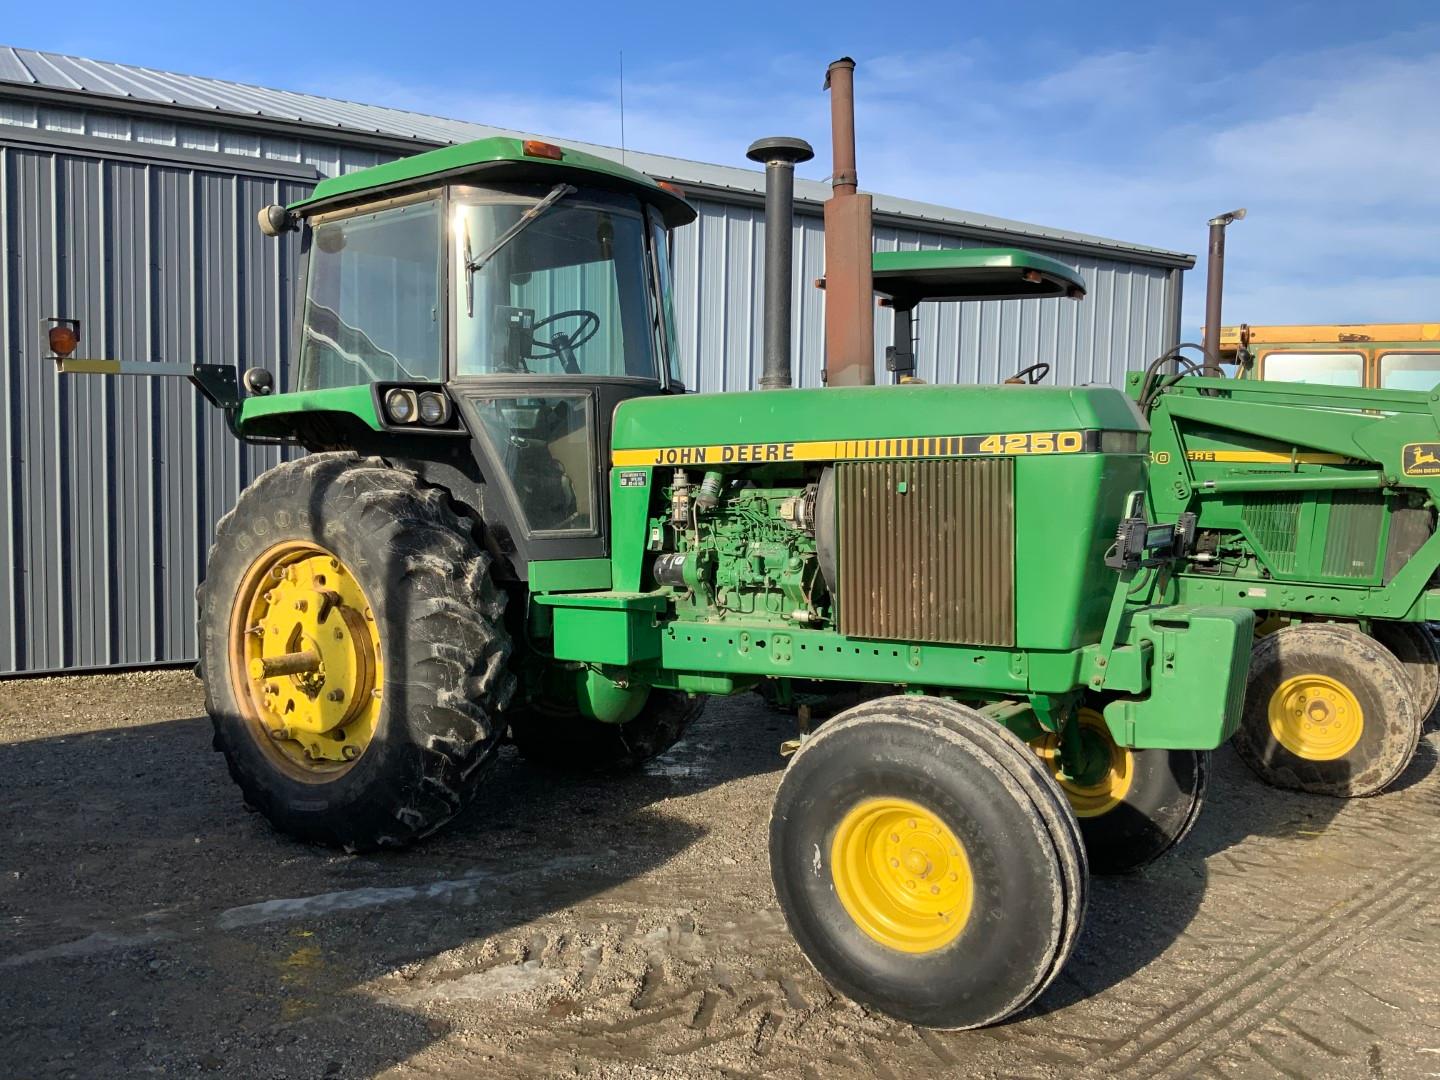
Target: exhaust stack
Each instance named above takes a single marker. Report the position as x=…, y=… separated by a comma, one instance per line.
x=780, y=154
x=1215, y=284
x=849, y=288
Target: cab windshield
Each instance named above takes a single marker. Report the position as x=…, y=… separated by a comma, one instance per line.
x=568, y=294
x=1329, y=368
x=1409, y=370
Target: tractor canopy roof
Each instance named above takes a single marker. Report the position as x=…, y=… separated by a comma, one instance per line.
x=909, y=277
x=500, y=158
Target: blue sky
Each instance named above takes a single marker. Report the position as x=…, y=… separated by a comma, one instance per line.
x=1136, y=121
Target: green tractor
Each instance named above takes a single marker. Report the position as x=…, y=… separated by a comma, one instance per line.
x=513, y=520
x=1314, y=505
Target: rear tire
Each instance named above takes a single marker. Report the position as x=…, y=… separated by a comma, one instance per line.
x=947, y=782
x=562, y=739
x=1415, y=647
x=1328, y=710
x=442, y=648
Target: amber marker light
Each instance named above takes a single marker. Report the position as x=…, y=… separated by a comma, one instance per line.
x=673, y=189
x=536, y=148
x=63, y=336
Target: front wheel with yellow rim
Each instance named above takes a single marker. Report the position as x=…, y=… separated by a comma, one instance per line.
x=1133, y=805
x=353, y=652
x=925, y=863
x=1328, y=710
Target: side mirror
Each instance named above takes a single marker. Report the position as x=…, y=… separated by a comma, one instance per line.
x=275, y=220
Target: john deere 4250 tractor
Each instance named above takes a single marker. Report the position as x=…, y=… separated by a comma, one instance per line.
x=513, y=519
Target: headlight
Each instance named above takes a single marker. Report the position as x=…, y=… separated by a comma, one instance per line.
x=401, y=406
x=434, y=407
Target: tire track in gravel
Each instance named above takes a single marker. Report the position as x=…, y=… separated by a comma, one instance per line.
x=1299, y=955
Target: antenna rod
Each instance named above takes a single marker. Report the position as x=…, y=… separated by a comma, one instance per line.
x=622, y=106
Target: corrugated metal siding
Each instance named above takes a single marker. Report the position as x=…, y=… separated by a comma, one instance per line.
x=111, y=487
x=114, y=485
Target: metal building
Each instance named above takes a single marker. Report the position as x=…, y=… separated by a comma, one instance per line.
x=128, y=199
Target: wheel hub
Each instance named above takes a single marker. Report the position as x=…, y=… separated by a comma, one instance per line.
x=902, y=875
x=1102, y=779
x=306, y=653
x=1316, y=717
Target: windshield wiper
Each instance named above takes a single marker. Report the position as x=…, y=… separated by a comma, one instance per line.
x=472, y=265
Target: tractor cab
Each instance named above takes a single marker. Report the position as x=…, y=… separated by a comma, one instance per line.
x=1385, y=356
x=506, y=292
x=905, y=279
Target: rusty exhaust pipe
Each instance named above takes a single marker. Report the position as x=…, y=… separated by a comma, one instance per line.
x=780, y=154
x=849, y=286
x=1215, y=284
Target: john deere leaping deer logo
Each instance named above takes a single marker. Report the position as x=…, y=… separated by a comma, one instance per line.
x=1422, y=459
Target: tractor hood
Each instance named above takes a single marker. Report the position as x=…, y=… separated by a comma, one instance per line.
x=914, y=416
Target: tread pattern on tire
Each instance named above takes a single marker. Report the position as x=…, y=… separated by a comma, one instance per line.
x=453, y=675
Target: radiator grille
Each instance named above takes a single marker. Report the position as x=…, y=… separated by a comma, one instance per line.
x=927, y=550
x=1352, y=542
x=1273, y=521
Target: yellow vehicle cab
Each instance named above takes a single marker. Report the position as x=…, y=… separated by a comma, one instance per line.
x=1394, y=356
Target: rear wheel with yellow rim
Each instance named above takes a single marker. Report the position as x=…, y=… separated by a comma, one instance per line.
x=1328, y=710
x=926, y=864
x=353, y=652
x=1133, y=805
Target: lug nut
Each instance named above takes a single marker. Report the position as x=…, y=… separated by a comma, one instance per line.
x=349, y=753
x=279, y=733
x=301, y=605
x=336, y=695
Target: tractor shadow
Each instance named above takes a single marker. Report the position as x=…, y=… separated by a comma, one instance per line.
x=1133, y=919
x=148, y=924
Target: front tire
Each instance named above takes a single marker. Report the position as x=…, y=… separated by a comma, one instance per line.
x=1144, y=803
x=354, y=654
x=925, y=863
x=1328, y=710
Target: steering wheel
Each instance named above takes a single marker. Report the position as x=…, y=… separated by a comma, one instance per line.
x=1030, y=375
x=563, y=345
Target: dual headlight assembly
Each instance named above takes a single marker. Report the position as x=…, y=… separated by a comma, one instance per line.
x=428, y=407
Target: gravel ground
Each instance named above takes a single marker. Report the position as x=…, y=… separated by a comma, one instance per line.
x=626, y=928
